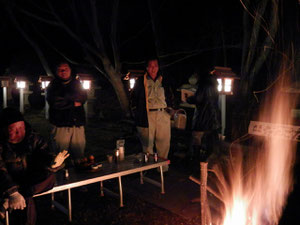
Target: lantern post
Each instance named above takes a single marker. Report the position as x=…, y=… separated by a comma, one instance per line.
x=21, y=85
x=86, y=82
x=225, y=77
x=4, y=84
x=45, y=81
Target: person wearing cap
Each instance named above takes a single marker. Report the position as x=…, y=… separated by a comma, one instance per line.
x=151, y=105
x=27, y=166
x=66, y=98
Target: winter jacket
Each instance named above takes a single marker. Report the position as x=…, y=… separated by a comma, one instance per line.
x=24, y=163
x=61, y=97
x=138, y=100
x=206, y=115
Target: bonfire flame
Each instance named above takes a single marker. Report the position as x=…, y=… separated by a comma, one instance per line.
x=255, y=187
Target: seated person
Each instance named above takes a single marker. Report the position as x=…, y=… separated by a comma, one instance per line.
x=26, y=166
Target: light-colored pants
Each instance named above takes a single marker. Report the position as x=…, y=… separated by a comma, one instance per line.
x=69, y=138
x=158, y=133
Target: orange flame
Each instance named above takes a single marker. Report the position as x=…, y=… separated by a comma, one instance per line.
x=258, y=179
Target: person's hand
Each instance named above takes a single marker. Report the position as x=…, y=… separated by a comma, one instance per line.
x=16, y=201
x=60, y=158
x=170, y=111
x=76, y=104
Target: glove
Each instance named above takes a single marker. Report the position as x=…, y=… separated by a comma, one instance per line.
x=60, y=158
x=16, y=201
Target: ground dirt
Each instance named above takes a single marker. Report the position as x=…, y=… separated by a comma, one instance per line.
x=88, y=208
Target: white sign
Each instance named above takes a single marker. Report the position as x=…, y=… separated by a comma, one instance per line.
x=278, y=130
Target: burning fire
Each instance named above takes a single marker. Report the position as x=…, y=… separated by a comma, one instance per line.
x=257, y=181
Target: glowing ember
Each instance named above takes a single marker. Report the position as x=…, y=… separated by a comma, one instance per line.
x=258, y=179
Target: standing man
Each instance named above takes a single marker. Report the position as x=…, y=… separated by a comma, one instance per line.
x=66, y=98
x=151, y=100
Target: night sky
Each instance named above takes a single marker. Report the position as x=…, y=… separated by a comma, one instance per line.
x=189, y=35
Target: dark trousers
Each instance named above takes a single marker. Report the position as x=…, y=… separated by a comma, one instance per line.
x=28, y=215
x=202, y=146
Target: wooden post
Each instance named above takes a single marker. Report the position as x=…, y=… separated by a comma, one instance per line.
x=203, y=196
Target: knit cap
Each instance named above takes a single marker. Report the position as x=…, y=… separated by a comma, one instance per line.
x=9, y=116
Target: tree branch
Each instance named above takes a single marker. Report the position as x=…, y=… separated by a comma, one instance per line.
x=114, y=41
x=31, y=42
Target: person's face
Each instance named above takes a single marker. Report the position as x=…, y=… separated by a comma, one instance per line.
x=152, y=68
x=16, y=132
x=64, y=71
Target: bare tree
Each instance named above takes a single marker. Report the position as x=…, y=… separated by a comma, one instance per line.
x=71, y=21
x=258, y=43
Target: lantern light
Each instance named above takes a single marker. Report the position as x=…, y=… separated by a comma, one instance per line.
x=45, y=81
x=86, y=80
x=227, y=85
x=86, y=84
x=21, y=82
x=225, y=77
x=45, y=84
x=219, y=84
x=131, y=77
x=131, y=83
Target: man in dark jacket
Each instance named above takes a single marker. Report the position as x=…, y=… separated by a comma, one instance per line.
x=66, y=98
x=151, y=100
x=206, y=124
x=26, y=166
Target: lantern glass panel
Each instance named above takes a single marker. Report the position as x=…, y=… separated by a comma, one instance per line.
x=45, y=84
x=21, y=84
x=220, y=84
x=86, y=84
x=131, y=83
x=227, y=85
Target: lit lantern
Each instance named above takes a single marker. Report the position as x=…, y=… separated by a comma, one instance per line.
x=86, y=84
x=45, y=81
x=86, y=80
x=225, y=78
x=21, y=84
x=4, y=84
x=131, y=77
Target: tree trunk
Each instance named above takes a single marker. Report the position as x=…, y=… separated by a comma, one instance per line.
x=116, y=81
